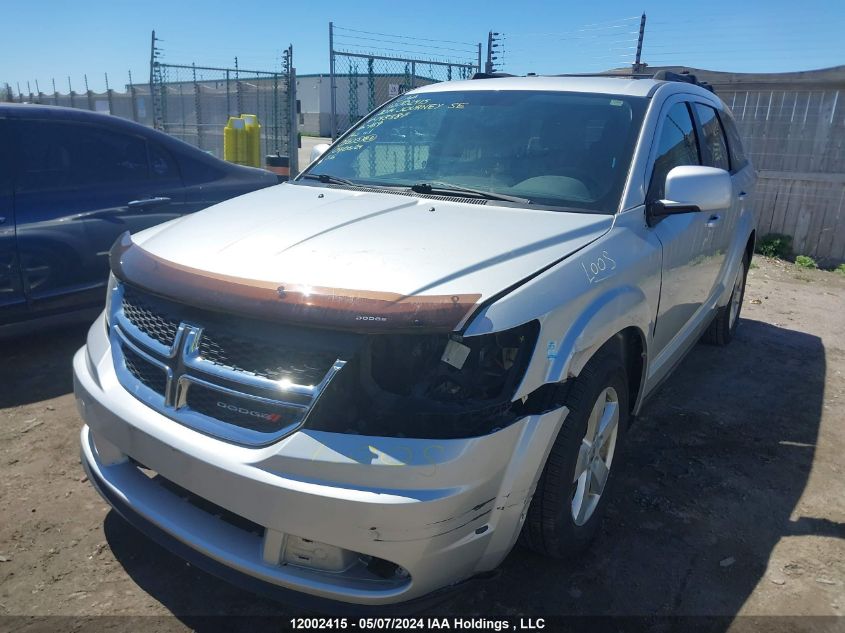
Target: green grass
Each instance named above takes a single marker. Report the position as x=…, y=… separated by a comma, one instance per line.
x=840, y=269
x=805, y=261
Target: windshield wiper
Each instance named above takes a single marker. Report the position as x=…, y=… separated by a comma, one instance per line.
x=329, y=179
x=448, y=188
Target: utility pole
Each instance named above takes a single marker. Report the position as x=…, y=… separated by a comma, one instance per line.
x=637, y=66
x=493, y=42
x=332, y=82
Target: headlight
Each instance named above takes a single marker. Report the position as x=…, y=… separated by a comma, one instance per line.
x=428, y=385
x=110, y=292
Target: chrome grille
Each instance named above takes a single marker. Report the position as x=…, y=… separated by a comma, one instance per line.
x=145, y=371
x=214, y=379
x=268, y=360
x=149, y=316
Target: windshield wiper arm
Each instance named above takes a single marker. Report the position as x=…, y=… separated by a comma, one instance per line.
x=449, y=188
x=329, y=179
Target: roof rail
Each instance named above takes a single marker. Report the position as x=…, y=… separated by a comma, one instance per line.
x=491, y=75
x=683, y=76
x=660, y=75
x=611, y=75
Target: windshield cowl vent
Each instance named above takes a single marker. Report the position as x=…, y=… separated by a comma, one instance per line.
x=412, y=194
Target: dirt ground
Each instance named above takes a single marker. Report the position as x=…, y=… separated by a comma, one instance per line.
x=730, y=498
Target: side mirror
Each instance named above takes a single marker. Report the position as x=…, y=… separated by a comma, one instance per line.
x=693, y=188
x=318, y=150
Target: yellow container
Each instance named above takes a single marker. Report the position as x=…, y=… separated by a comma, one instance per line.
x=253, y=140
x=234, y=141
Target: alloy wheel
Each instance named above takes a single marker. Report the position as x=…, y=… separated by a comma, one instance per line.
x=595, y=456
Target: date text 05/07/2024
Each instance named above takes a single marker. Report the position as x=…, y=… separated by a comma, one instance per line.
x=419, y=624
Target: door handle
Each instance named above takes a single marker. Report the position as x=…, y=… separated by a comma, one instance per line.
x=147, y=202
x=742, y=195
x=713, y=220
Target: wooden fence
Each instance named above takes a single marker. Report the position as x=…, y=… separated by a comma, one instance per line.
x=793, y=129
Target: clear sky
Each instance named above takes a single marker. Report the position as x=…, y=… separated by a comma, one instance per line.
x=44, y=39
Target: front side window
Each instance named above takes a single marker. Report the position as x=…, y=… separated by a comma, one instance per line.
x=676, y=146
x=713, y=137
x=552, y=149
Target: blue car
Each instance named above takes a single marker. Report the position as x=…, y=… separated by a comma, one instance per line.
x=71, y=181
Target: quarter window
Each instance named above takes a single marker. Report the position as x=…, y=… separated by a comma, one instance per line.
x=677, y=146
x=738, y=159
x=713, y=137
x=162, y=165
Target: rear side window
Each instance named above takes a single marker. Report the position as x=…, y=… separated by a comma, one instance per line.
x=738, y=158
x=676, y=146
x=59, y=155
x=713, y=137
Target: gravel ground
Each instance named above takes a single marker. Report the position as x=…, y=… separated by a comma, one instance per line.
x=730, y=501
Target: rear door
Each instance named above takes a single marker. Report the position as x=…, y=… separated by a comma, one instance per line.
x=12, y=299
x=688, y=275
x=79, y=184
x=714, y=149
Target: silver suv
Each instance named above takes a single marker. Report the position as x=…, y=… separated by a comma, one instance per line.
x=367, y=384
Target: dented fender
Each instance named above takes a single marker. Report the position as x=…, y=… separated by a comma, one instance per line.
x=611, y=313
x=608, y=286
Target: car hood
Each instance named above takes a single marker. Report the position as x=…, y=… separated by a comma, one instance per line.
x=382, y=244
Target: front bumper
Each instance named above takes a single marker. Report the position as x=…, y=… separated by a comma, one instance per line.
x=442, y=510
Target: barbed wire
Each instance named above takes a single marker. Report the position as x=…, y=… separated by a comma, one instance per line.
x=424, y=39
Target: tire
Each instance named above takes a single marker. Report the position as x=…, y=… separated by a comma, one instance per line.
x=556, y=525
x=723, y=327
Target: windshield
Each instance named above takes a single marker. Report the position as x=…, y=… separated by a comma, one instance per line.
x=552, y=149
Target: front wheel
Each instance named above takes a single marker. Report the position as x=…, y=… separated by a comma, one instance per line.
x=723, y=327
x=571, y=494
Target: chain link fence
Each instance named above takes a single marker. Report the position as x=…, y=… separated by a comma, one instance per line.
x=364, y=74
x=364, y=82
x=194, y=103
